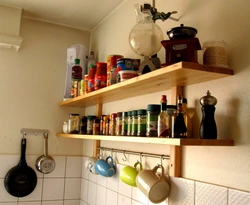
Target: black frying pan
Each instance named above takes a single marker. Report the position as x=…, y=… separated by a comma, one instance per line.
x=21, y=180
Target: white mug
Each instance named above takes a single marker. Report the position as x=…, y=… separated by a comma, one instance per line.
x=90, y=163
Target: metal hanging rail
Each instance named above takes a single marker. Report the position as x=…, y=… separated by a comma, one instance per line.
x=141, y=154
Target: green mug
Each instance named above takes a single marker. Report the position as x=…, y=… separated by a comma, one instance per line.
x=129, y=173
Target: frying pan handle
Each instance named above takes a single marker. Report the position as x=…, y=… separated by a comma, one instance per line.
x=45, y=135
x=22, y=162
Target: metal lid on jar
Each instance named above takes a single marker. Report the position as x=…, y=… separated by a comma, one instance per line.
x=208, y=99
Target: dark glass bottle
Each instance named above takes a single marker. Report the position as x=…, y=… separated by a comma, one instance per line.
x=179, y=127
x=208, y=129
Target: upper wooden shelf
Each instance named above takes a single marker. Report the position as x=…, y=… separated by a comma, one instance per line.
x=154, y=140
x=179, y=74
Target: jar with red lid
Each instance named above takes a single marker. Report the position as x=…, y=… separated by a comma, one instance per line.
x=100, y=75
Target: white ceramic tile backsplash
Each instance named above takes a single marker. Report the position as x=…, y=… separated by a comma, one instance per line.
x=210, y=194
x=71, y=184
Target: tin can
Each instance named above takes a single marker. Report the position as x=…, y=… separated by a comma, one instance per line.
x=100, y=75
x=85, y=84
x=112, y=68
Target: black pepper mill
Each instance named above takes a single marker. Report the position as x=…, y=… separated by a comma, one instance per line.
x=208, y=128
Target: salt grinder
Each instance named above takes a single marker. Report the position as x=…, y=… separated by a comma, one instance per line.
x=208, y=128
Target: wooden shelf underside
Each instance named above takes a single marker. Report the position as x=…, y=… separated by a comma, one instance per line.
x=150, y=140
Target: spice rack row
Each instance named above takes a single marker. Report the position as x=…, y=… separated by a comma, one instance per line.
x=172, y=77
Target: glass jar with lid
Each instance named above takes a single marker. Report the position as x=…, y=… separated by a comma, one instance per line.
x=90, y=124
x=73, y=124
x=153, y=110
x=142, y=122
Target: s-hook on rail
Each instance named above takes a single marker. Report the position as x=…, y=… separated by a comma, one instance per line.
x=141, y=154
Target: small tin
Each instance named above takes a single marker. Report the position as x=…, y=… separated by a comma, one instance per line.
x=125, y=64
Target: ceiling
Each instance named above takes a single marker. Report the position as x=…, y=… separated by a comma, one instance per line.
x=82, y=14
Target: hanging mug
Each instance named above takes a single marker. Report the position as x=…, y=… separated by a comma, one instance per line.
x=154, y=186
x=89, y=164
x=129, y=173
x=105, y=167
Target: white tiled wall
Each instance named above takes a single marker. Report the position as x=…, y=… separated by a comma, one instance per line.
x=61, y=187
x=71, y=184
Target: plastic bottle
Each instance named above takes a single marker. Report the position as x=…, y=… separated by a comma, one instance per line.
x=91, y=61
x=76, y=78
x=163, y=119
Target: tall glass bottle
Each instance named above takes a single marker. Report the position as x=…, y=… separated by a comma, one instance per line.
x=91, y=62
x=163, y=119
x=187, y=118
x=179, y=129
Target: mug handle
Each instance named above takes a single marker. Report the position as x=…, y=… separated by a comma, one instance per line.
x=162, y=171
x=111, y=162
x=136, y=164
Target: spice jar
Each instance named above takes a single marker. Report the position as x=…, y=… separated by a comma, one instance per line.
x=90, y=123
x=96, y=127
x=134, y=123
x=124, y=123
x=102, y=124
x=153, y=110
x=142, y=122
x=129, y=123
x=112, y=124
x=73, y=124
x=118, y=129
x=83, y=125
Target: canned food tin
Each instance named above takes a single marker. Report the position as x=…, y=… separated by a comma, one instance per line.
x=100, y=75
x=125, y=64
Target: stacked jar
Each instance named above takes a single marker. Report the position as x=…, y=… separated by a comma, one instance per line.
x=153, y=110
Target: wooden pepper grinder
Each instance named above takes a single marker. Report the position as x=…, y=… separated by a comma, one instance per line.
x=208, y=129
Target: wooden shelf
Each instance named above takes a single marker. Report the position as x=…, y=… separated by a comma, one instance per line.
x=179, y=74
x=150, y=140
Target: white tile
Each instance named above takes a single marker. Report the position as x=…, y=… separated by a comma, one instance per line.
x=71, y=202
x=92, y=193
x=60, y=168
x=238, y=197
x=72, y=188
x=182, y=191
x=112, y=197
x=4, y=195
x=139, y=196
x=93, y=177
x=85, y=172
x=53, y=189
x=124, y=189
x=123, y=200
x=162, y=203
x=83, y=203
x=31, y=161
x=137, y=203
x=36, y=194
x=30, y=203
x=74, y=167
x=84, y=190
x=101, y=194
x=102, y=180
x=8, y=203
x=52, y=203
x=210, y=194
x=113, y=182
x=7, y=162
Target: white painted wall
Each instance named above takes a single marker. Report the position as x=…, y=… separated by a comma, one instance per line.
x=32, y=85
x=224, y=20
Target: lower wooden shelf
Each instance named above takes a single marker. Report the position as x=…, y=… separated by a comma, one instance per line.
x=151, y=140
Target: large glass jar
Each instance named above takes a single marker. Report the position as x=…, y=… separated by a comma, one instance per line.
x=73, y=124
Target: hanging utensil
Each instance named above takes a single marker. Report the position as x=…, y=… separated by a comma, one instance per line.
x=21, y=180
x=45, y=163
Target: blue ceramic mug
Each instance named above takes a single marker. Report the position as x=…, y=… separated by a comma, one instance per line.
x=105, y=167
